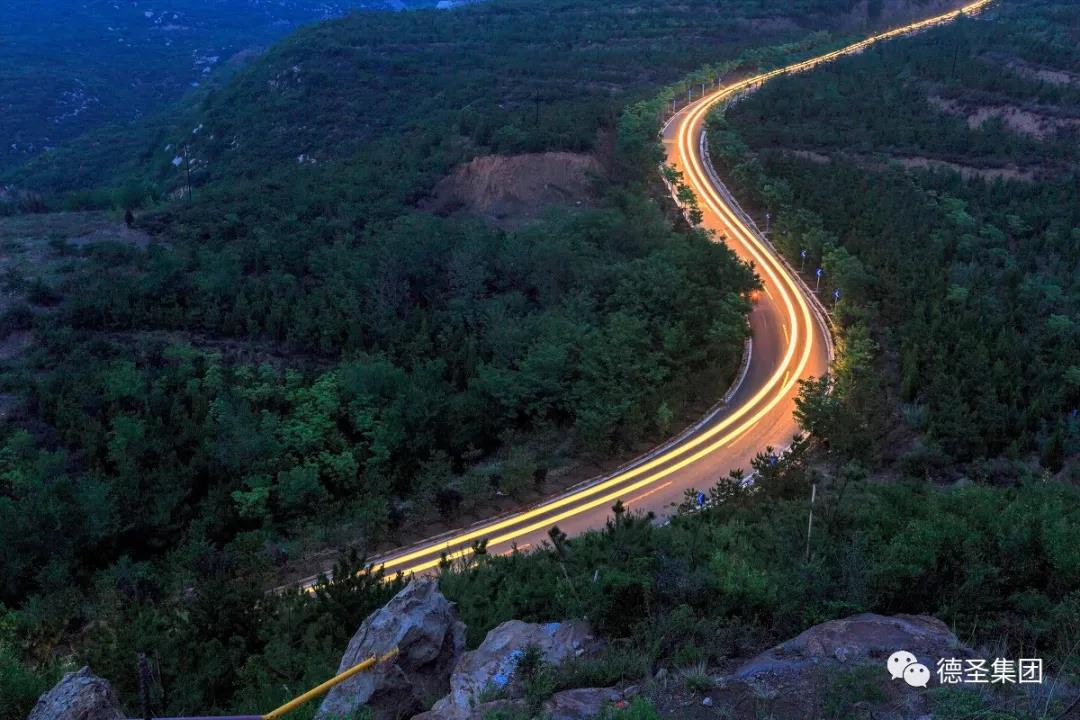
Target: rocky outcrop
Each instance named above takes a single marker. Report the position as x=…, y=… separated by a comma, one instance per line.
x=860, y=638
x=491, y=666
x=78, y=696
x=424, y=626
x=807, y=675
x=581, y=704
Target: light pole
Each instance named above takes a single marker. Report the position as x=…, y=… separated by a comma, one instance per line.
x=768, y=222
x=802, y=260
x=820, y=272
x=836, y=296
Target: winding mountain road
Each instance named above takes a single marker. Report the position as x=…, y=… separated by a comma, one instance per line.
x=790, y=342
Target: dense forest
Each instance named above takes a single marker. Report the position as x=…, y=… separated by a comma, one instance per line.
x=935, y=182
x=68, y=67
x=297, y=340
x=285, y=353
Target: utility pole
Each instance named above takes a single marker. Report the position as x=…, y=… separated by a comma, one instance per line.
x=955, y=57
x=146, y=679
x=187, y=168
x=810, y=522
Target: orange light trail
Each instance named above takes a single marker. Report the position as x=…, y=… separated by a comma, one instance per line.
x=776, y=389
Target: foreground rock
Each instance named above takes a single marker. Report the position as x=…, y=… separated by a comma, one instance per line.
x=424, y=626
x=803, y=677
x=78, y=696
x=490, y=668
x=861, y=638
x=581, y=704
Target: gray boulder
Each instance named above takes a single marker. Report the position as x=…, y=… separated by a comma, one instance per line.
x=424, y=626
x=581, y=704
x=857, y=639
x=78, y=696
x=491, y=666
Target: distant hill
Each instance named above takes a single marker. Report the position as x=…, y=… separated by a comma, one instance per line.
x=512, y=76
x=67, y=66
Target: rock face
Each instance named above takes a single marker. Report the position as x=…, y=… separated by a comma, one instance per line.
x=581, y=703
x=78, y=696
x=860, y=638
x=491, y=666
x=806, y=675
x=424, y=626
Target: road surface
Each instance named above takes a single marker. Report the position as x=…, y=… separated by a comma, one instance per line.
x=790, y=342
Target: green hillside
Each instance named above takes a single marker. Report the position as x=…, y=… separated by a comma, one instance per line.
x=936, y=182
x=68, y=67
x=287, y=354
x=293, y=356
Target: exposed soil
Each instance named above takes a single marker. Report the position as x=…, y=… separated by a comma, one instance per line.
x=1009, y=172
x=1042, y=73
x=77, y=228
x=918, y=162
x=512, y=190
x=1026, y=121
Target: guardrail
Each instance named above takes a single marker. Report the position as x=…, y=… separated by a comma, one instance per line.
x=296, y=702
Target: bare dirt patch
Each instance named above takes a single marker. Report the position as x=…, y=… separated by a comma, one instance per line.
x=1033, y=71
x=1009, y=172
x=511, y=191
x=1031, y=122
x=917, y=162
x=76, y=228
x=814, y=157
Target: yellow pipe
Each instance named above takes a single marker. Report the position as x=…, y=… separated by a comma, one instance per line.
x=325, y=687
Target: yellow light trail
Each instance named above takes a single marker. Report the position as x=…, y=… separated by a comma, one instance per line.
x=778, y=385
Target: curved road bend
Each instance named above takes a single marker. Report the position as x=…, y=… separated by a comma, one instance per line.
x=790, y=342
